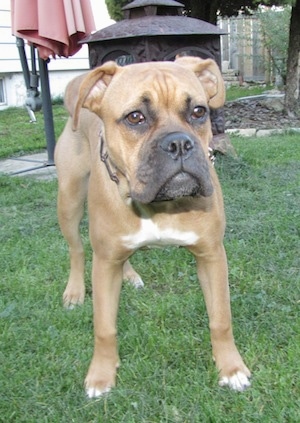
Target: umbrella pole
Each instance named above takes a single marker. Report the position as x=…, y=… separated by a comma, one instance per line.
x=47, y=110
x=23, y=59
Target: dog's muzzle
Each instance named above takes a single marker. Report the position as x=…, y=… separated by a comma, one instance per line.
x=178, y=145
x=173, y=166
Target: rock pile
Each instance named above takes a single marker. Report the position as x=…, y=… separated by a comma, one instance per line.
x=259, y=112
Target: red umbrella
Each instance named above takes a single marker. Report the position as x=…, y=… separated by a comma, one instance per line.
x=53, y=26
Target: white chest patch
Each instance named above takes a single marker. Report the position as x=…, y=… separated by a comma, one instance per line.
x=151, y=235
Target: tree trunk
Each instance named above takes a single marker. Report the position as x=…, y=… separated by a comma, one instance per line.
x=292, y=99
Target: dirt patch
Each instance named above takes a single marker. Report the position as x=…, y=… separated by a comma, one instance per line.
x=259, y=113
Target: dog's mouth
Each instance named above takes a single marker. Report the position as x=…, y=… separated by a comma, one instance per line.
x=173, y=166
x=179, y=186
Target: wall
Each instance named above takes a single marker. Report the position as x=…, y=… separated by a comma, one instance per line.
x=12, y=85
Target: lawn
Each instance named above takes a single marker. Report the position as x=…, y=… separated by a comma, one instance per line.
x=234, y=92
x=167, y=374
x=19, y=136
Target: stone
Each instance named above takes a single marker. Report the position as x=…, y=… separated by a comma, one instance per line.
x=274, y=102
x=242, y=132
x=222, y=144
x=268, y=132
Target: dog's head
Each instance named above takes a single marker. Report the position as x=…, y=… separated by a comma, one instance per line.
x=156, y=123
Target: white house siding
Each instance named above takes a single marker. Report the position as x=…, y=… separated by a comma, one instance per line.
x=61, y=70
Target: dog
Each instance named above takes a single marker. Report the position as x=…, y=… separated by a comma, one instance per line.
x=136, y=145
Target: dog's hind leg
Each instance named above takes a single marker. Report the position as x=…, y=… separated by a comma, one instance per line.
x=71, y=199
x=131, y=276
x=72, y=159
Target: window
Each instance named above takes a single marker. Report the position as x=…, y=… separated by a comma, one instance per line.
x=2, y=94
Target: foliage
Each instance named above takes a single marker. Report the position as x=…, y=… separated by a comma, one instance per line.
x=206, y=10
x=167, y=373
x=114, y=8
x=275, y=32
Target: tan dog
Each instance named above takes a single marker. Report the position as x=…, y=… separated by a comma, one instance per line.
x=154, y=184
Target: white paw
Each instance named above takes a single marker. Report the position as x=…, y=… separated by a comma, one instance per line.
x=71, y=306
x=238, y=382
x=96, y=393
x=136, y=281
x=73, y=300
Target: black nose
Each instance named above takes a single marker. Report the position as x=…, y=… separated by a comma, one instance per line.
x=177, y=145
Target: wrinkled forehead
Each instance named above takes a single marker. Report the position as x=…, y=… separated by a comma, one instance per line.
x=159, y=83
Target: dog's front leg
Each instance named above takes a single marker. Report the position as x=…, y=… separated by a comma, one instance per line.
x=107, y=281
x=213, y=275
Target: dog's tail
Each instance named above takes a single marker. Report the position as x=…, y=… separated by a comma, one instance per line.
x=71, y=91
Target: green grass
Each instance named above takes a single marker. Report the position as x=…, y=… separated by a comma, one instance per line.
x=19, y=136
x=167, y=374
x=234, y=92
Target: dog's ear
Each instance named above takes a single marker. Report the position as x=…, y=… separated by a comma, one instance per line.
x=92, y=89
x=210, y=76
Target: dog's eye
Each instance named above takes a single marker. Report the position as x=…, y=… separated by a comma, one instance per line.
x=198, y=112
x=135, y=118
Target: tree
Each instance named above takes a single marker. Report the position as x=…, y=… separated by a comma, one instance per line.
x=292, y=97
x=209, y=10
x=114, y=8
x=206, y=10
x=275, y=38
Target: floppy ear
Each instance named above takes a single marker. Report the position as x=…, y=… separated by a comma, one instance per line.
x=209, y=75
x=92, y=89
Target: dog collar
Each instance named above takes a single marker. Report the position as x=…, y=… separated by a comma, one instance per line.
x=104, y=158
